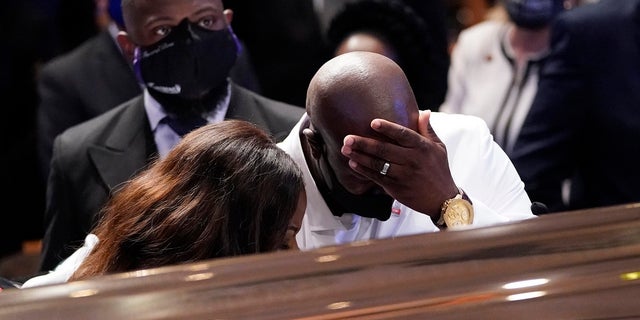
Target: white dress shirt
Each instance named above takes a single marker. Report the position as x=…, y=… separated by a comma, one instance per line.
x=478, y=165
x=164, y=136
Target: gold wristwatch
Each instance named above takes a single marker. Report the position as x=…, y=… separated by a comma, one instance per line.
x=456, y=212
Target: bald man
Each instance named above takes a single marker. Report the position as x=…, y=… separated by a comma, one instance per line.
x=376, y=167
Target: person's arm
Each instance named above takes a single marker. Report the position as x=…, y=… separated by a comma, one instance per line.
x=66, y=268
x=486, y=174
x=419, y=174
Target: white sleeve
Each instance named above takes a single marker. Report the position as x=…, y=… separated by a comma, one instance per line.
x=66, y=268
x=483, y=170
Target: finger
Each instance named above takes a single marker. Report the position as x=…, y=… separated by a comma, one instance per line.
x=372, y=162
x=372, y=174
x=403, y=136
x=372, y=153
x=423, y=122
x=424, y=126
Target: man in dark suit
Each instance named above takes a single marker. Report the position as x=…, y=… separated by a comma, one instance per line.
x=94, y=78
x=182, y=51
x=584, y=123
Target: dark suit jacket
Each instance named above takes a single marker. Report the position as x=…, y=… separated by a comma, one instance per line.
x=77, y=86
x=585, y=119
x=91, y=159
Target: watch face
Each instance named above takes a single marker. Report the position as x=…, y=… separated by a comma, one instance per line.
x=459, y=213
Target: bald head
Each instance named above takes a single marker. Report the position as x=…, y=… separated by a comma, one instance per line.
x=354, y=88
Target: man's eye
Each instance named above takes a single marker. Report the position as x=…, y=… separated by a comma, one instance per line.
x=207, y=23
x=162, y=31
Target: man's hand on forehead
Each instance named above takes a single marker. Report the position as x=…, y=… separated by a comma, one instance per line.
x=411, y=166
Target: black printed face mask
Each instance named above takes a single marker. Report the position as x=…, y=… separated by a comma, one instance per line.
x=374, y=204
x=188, y=68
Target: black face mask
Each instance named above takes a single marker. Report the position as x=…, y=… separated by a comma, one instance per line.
x=187, y=70
x=371, y=205
x=533, y=14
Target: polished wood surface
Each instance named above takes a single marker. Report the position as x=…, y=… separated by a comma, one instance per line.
x=587, y=264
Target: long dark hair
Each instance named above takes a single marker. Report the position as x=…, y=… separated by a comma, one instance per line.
x=226, y=189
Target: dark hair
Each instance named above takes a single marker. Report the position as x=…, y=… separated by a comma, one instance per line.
x=399, y=25
x=226, y=189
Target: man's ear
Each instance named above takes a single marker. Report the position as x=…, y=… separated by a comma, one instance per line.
x=315, y=142
x=228, y=14
x=126, y=45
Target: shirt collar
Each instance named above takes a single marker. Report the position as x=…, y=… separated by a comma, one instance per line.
x=317, y=214
x=508, y=51
x=155, y=112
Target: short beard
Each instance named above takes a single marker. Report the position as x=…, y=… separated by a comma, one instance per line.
x=181, y=107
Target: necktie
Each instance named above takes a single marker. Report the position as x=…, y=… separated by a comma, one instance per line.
x=184, y=125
